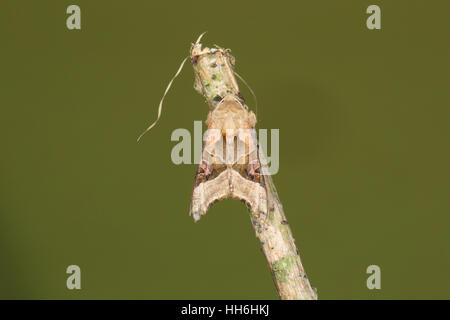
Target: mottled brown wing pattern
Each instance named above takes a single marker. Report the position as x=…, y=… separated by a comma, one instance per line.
x=230, y=167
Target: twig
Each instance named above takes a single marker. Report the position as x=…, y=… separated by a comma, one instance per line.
x=217, y=79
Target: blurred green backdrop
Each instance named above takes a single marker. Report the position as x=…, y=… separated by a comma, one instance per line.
x=363, y=118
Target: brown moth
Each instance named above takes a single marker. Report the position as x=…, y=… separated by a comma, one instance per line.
x=230, y=165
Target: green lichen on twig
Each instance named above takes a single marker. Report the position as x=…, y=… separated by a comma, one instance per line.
x=282, y=268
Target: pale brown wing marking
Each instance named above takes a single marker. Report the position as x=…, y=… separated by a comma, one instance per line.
x=253, y=193
x=206, y=193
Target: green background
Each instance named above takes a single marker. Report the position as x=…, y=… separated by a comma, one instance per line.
x=363, y=118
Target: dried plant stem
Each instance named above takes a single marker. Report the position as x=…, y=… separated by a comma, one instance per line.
x=214, y=79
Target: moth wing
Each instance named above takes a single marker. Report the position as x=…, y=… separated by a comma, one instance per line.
x=208, y=192
x=252, y=192
x=211, y=181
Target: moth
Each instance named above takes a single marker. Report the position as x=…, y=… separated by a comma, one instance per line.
x=230, y=166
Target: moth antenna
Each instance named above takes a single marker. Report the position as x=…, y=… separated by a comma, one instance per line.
x=251, y=91
x=162, y=99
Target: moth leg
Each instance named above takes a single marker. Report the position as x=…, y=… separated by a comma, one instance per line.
x=250, y=155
